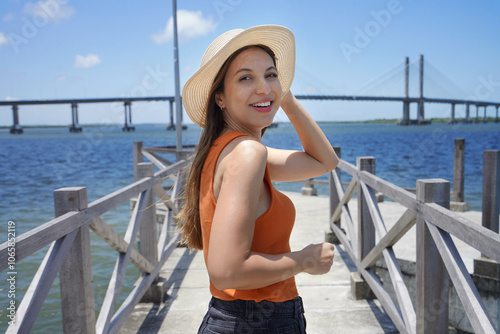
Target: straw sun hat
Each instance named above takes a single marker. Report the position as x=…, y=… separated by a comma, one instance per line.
x=279, y=39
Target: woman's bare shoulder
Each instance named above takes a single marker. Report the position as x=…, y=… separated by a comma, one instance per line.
x=244, y=153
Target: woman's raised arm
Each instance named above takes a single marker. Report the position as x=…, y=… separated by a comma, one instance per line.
x=318, y=157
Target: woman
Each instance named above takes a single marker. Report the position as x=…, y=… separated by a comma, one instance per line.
x=232, y=210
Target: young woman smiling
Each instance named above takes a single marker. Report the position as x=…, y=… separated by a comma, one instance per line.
x=232, y=210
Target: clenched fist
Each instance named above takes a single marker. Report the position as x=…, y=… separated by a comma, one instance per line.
x=317, y=259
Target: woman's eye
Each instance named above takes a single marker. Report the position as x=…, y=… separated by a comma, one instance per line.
x=246, y=77
x=272, y=75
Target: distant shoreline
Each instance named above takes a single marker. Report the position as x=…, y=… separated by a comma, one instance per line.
x=374, y=121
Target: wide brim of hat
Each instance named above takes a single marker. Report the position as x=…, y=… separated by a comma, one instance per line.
x=197, y=89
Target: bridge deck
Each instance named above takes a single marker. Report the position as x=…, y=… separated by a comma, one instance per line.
x=328, y=303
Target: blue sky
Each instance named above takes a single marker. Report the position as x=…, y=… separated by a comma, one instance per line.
x=62, y=49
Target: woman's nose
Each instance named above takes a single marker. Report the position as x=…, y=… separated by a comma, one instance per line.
x=263, y=87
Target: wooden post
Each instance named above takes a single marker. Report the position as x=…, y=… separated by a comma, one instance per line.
x=308, y=189
x=458, y=170
x=366, y=229
x=491, y=209
x=366, y=233
x=77, y=289
x=334, y=201
x=148, y=236
x=432, y=279
x=137, y=157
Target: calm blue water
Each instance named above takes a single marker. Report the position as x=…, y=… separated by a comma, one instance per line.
x=36, y=163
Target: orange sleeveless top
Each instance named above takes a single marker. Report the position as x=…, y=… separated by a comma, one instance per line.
x=271, y=234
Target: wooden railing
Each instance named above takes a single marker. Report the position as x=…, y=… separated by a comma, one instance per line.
x=69, y=254
x=437, y=259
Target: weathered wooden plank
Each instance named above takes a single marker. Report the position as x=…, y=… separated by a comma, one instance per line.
x=140, y=289
x=41, y=236
x=399, y=229
x=171, y=170
x=345, y=197
x=40, y=285
x=465, y=287
x=112, y=238
x=164, y=233
x=148, y=237
x=348, y=167
x=116, y=280
x=111, y=201
x=164, y=161
x=163, y=196
x=482, y=239
x=153, y=158
x=384, y=298
x=397, y=194
x=342, y=208
x=397, y=280
x=402, y=294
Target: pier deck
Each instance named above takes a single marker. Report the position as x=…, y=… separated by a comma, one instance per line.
x=328, y=303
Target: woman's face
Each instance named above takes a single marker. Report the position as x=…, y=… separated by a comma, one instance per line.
x=252, y=91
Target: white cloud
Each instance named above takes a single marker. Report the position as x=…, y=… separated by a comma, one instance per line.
x=11, y=98
x=50, y=10
x=61, y=78
x=189, y=25
x=87, y=61
x=3, y=39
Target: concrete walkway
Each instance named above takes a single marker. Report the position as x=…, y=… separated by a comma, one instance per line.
x=328, y=303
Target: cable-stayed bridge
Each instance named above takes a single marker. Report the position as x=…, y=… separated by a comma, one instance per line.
x=393, y=75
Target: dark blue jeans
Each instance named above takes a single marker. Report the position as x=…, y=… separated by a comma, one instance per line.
x=247, y=316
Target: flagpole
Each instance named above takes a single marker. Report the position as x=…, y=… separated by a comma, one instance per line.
x=178, y=103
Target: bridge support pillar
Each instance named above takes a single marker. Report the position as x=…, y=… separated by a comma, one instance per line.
x=16, y=128
x=171, y=126
x=496, y=115
x=452, y=120
x=467, y=113
x=75, y=127
x=128, y=117
x=485, y=119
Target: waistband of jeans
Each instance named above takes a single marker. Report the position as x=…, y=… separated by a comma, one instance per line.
x=265, y=308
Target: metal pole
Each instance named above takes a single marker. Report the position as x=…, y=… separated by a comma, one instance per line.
x=178, y=106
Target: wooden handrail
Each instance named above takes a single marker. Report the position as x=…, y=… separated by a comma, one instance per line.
x=441, y=222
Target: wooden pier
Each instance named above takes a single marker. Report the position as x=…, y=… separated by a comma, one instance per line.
x=393, y=294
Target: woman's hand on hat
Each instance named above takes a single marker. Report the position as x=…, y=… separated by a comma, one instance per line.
x=317, y=259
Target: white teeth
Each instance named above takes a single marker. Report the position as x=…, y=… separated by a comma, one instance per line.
x=263, y=104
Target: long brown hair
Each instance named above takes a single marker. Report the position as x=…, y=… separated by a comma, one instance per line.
x=189, y=217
